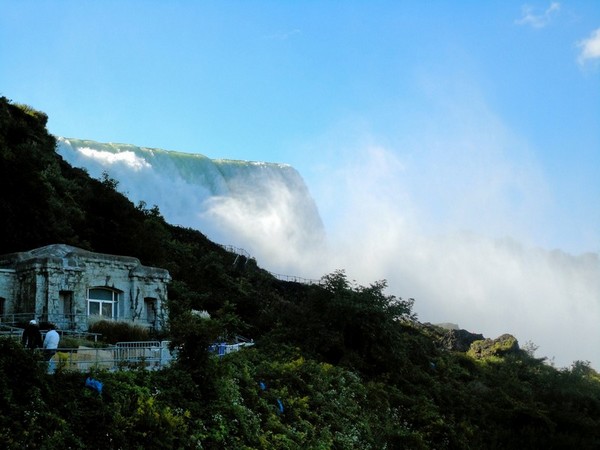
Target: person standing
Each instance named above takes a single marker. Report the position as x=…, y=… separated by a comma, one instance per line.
x=32, y=337
x=50, y=345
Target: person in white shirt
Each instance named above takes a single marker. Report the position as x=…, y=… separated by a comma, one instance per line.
x=51, y=342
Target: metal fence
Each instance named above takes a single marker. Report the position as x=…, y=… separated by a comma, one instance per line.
x=290, y=278
x=12, y=319
x=17, y=333
x=149, y=355
x=295, y=279
x=222, y=348
x=12, y=332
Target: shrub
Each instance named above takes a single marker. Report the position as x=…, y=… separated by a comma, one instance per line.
x=31, y=111
x=75, y=342
x=115, y=331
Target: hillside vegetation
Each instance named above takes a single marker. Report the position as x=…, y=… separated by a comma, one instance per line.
x=334, y=366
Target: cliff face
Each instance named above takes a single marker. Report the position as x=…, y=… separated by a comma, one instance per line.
x=27, y=164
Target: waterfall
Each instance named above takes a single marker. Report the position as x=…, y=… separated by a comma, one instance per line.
x=265, y=208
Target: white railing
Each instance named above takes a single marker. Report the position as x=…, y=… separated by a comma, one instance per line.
x=150, y=355
x=222, y=347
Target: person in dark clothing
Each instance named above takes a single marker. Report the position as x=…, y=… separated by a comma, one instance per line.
x=32, y=337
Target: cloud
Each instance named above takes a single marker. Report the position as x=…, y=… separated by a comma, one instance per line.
x=538, y=19
x=590, y=47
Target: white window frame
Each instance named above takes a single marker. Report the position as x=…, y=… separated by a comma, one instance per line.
x=103, y=302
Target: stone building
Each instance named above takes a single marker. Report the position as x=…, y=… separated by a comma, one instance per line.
x=71, y=287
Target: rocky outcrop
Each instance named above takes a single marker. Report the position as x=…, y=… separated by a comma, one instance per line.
x=459, y=340
x=501, y=346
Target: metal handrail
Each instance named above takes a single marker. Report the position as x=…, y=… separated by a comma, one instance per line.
x=295, y=279
x=150, y=356
x=290, y=278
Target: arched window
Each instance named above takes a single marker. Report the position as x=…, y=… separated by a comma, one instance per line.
x=102, y=302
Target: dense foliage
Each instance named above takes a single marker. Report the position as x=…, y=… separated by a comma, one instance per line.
x=335, y=365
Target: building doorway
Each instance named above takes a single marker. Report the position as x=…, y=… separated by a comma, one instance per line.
x=65, y=301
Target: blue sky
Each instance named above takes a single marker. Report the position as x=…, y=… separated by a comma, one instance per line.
x=490, y=110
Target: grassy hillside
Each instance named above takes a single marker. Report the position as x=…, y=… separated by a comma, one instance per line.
x=335, y=366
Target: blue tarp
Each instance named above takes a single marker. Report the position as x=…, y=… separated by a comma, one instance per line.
x=94, y=384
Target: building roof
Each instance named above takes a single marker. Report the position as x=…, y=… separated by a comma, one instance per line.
x=59, y=251
x=74, y=257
